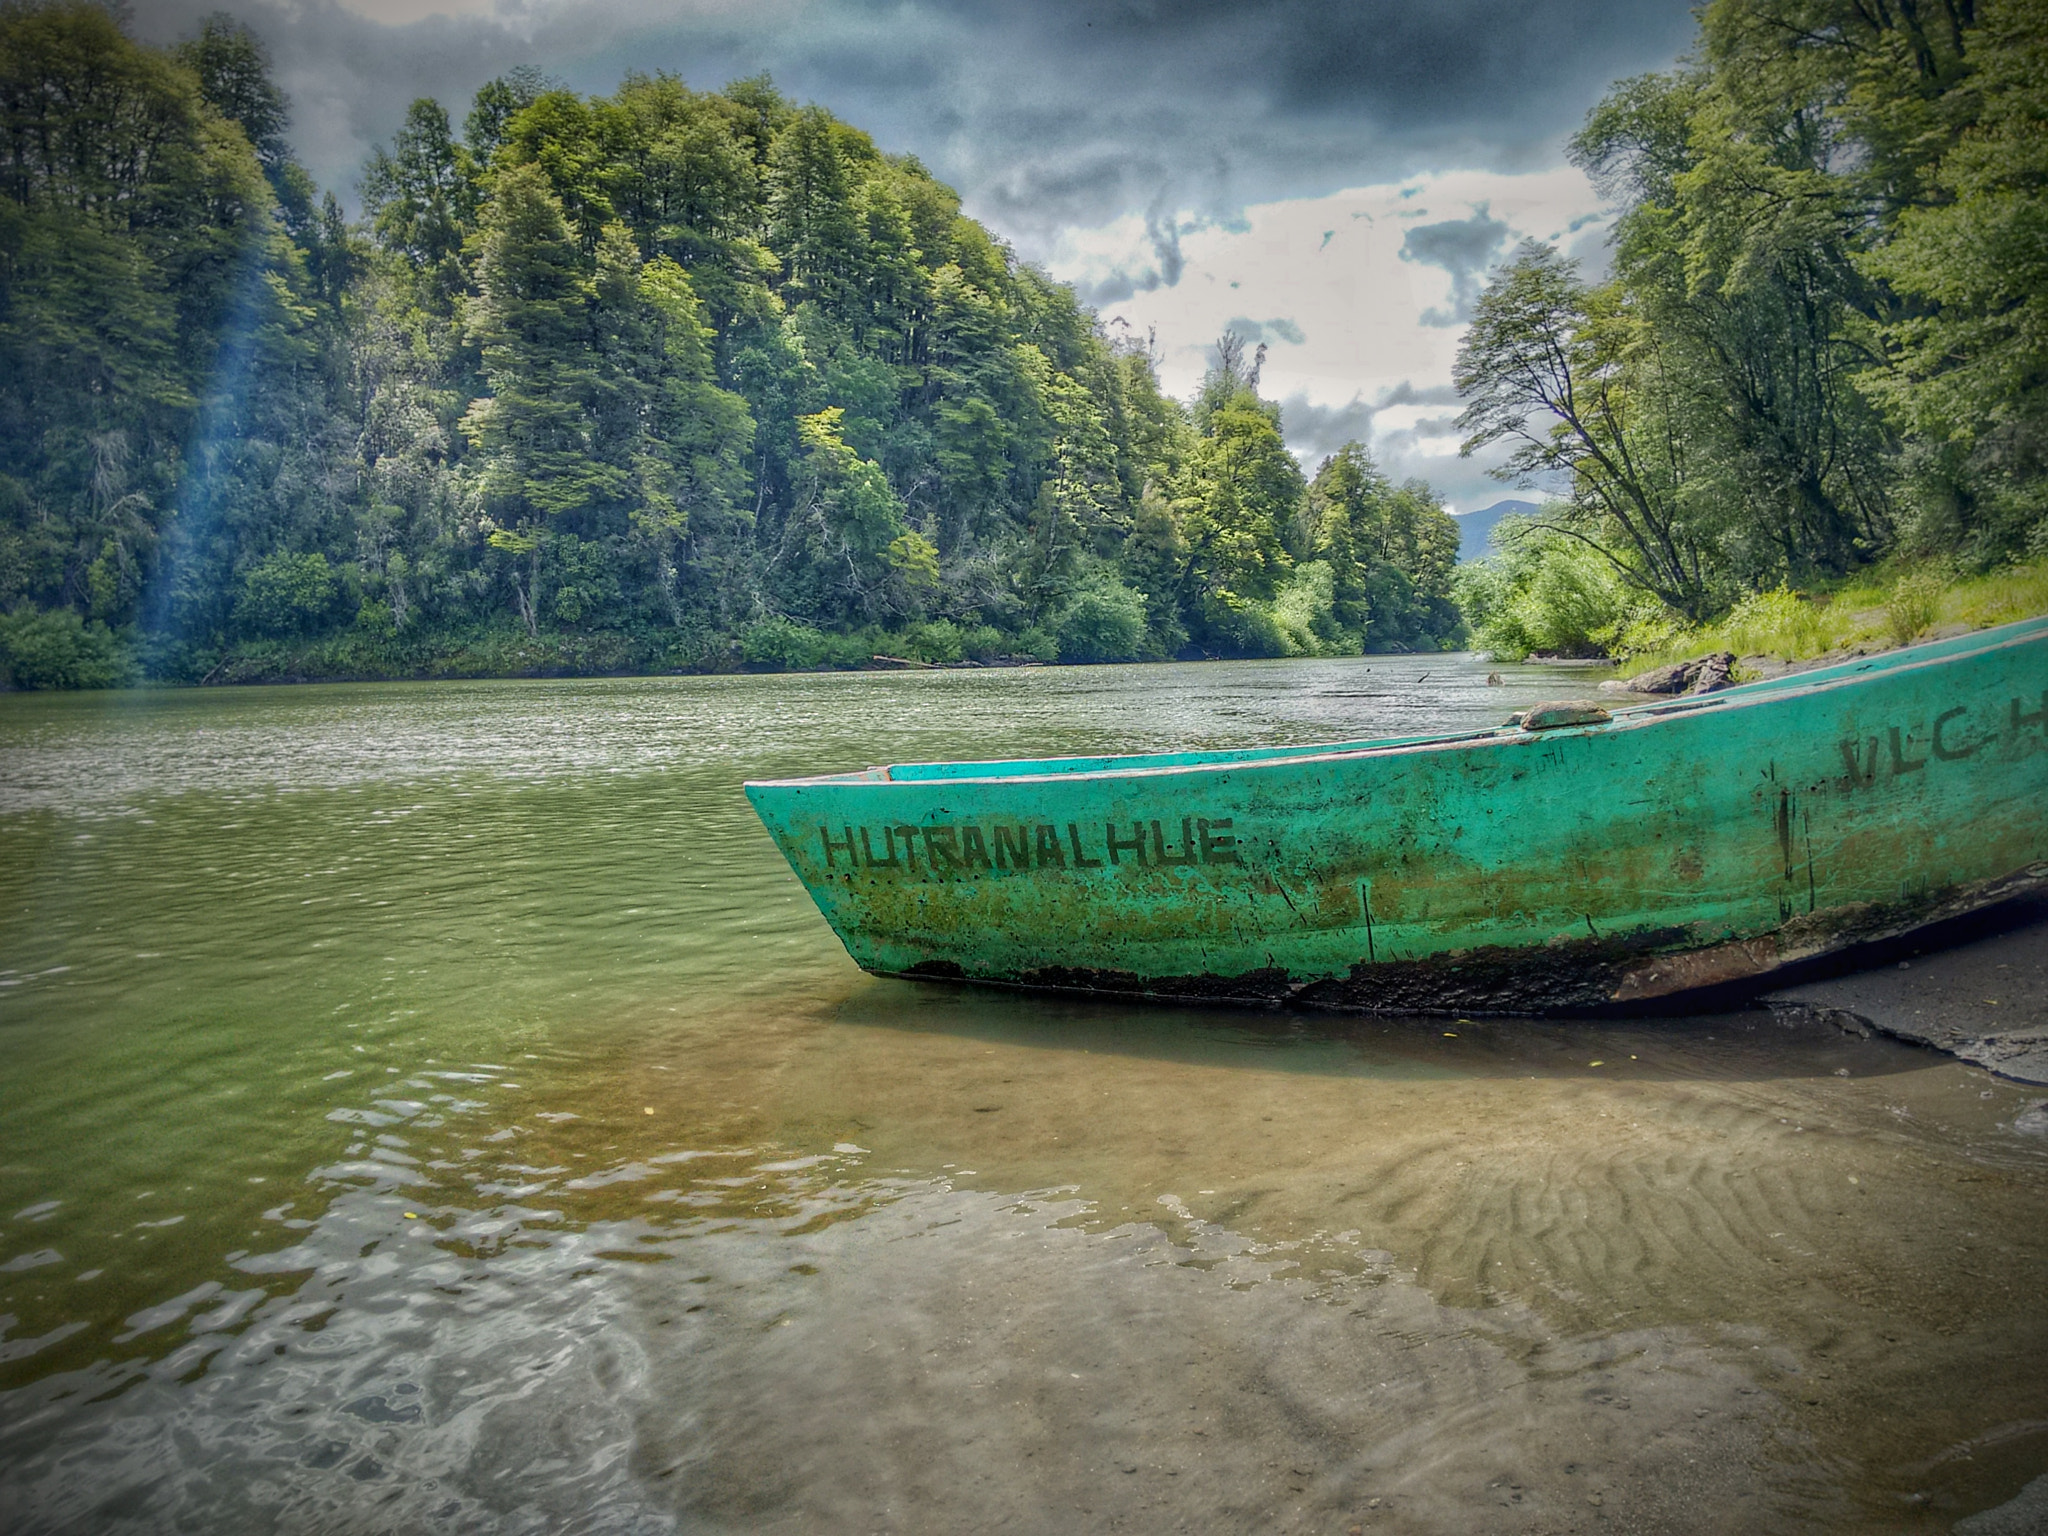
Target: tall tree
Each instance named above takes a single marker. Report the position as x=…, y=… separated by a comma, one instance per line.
x=1965, y=367
x=1542, y=370
x=1239, y=491
x=1390, y=551
x=421, y=196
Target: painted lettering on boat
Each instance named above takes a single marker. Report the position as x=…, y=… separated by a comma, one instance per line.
x=1900, y=752
x=1003, y=847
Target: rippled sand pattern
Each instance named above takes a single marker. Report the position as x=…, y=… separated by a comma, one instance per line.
x=440, y=1111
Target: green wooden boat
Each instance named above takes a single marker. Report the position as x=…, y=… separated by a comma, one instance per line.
x=1574, y=860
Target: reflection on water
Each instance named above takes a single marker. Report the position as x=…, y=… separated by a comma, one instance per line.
x=435, y=1107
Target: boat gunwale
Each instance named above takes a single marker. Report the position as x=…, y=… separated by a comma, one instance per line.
x=1629, y=717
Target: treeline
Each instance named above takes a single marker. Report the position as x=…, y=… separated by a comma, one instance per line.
x=1824, y=342
x=664, y=379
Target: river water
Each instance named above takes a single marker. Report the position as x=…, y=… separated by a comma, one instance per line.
x=435, y=1107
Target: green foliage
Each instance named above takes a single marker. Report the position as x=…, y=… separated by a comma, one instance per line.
x=1544, y=591
x=1912, y=605
x=1572, y=381
x=1101, y=620
x=287, y=594
x=421, y=197
x=374, y=618
x=599, y=381
x=1389, y=551
x=1304, y=614
x=1822, y=343
x=59, y=650
x=1779, y=619
x=782, y=645
x=916, y=559
x=1240, y=488
x=1885, y=605
x=938, y=640
x=1966, y=365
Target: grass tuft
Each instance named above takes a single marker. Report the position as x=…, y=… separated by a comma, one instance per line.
x=1874, y=611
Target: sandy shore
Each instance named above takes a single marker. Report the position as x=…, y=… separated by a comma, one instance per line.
x=1977, y=990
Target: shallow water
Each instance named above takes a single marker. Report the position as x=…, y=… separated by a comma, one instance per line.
x=436, y=1107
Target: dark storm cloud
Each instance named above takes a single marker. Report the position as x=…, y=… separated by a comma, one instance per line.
x=1254, y=331
x=1316, y=431
x=1465, y=248
x=1046, y=115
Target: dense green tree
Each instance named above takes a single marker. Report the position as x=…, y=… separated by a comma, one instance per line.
x=1544, y=369
x=234, y=78
x=1389, y=549
x=496, y=103
x=662, y=378
x=1732, y=252
x=1239, y=490
x=163, y=408
x=1542, y=591
x=421, y=196
x=1966, y=363
x=1822, y=340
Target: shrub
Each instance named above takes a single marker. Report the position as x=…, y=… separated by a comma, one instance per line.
x=374, y=618
x=59, y=650
x=1304, y=614
x=983, y=642
x=287, y=594
x=1034, y=644
x=1777, y=623
x=1244, y=628
x=933, y=640
x=848, y=653
x=782, y=645
x=1649, y=629
x=1165, y=636
x=1102, y=620
x=1541, y=591
x=1911, y=605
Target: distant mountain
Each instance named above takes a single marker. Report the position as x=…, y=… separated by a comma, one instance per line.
x=1473, y=527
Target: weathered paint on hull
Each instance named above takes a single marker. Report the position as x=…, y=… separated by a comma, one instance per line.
x=1679, y=845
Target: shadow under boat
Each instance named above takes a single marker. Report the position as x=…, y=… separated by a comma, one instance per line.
x=1753, y=1043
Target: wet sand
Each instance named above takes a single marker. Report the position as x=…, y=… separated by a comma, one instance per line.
x=1977, y=989
x=1746, y=1274
x=934, y=1262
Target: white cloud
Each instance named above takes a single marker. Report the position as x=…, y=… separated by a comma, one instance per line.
x=1331, y=269
x=400, y=12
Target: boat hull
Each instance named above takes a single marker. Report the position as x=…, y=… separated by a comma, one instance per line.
x=1696, y=843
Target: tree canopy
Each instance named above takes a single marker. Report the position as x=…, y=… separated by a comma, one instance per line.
x=664, y=378
x=1823, y=341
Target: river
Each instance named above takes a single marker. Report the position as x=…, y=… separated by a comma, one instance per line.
x=435, y=1107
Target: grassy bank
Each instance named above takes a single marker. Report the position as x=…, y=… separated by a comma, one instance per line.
x=57, y=651
x=509, y=651
x=1887, y=606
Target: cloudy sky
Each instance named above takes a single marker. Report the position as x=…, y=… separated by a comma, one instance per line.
x=1332, y=177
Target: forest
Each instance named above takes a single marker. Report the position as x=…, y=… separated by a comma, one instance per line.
x=669, y=379
x=1820, y=357
x=676, y=379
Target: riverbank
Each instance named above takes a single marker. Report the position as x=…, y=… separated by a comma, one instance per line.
x=1773, y=632
x=512, y=653
x=56, y=653
x=1769, y=633
x=1976, y=988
